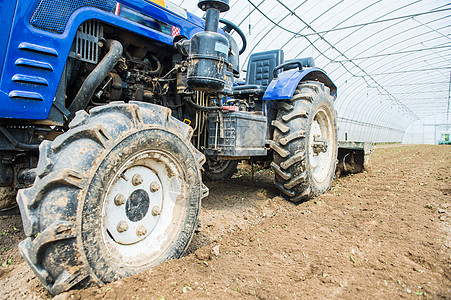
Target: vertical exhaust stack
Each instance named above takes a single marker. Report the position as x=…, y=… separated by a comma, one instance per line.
x=208, y=57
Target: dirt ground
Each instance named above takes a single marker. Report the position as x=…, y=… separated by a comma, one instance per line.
x=385, y=233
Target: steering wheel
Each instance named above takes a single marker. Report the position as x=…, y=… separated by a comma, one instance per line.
x=229, y=26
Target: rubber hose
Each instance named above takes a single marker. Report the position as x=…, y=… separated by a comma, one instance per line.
x=97, y=76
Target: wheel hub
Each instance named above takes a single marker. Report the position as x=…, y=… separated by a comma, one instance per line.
x=137, y=205
x=134, y=205
x=320, y=152
x=319, y=145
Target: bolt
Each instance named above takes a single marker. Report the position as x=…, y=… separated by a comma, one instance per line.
x=119, y=199
x=137, y=179
x=154, y=186
x=80, y=28
x=100, y=44
x=78, y=55
x=156, y=210
x=122, y=226
x=41, y=137
x=141, y=230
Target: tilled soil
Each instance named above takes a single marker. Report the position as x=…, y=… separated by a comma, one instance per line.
x=379, y=234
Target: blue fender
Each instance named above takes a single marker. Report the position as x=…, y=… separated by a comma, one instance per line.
x=285, y=84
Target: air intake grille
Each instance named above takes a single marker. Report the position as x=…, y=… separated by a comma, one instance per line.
x=53, y=15
x=87, y=42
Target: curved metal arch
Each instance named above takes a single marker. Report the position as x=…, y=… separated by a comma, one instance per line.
x=382, y=30
x=386, y=47
x=296, y=36
x=351, y=60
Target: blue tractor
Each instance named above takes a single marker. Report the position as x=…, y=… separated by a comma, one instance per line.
x=109, y=110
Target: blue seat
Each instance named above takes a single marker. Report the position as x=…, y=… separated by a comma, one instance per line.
x=259, y=73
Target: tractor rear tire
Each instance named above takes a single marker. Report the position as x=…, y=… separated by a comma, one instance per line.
x=217, y=169
x=116, y=194
x=305, y=142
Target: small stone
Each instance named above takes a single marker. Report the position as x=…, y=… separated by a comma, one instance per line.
x=202, y=253
x=409, y=291
x=215, y=250
x=441, y=211
x=261, y=195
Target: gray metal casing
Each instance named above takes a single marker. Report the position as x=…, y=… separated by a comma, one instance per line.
x=243, y=134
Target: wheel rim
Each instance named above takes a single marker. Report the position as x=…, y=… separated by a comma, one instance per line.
x=320, y=146
x=141, y=214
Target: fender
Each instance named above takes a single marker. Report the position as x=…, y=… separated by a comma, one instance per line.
x=285, y=84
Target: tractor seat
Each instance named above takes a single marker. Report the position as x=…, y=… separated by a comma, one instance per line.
x=248, y=89
x=259, y=73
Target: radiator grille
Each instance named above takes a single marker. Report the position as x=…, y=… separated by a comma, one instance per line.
x=87, y=42
x=54, y=15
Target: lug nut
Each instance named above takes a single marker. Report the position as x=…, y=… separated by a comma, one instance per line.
x=156, y=211
x=122, y=226
x=141, y=230
x=119, y=199
x=137, y=179
x=154, y=186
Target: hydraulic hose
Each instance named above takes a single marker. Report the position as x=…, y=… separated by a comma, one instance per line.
x=16, y=143
x=97, y=76
x=203, y=108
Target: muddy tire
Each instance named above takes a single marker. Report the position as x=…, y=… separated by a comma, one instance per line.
x=305, y=143
x=118, y=193
x=217, y=169
x=7, y=198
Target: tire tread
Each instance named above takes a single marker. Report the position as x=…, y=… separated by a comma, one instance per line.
x=292, y=177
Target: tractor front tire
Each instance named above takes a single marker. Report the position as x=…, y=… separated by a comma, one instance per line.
x=116, y=194
x=305, y=142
